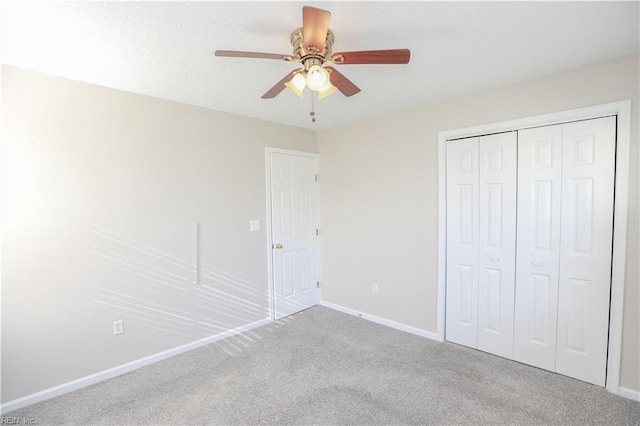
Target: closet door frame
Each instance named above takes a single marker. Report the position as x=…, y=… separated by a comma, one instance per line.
x=620, y=109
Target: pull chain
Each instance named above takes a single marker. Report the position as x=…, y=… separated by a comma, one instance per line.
x=313, y=113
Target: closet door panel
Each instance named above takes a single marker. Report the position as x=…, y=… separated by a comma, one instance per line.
x=462, y=241
x=586, y=235
x=497, y=237
x=538, y=245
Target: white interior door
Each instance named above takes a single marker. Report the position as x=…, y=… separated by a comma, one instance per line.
x=497, y=242
x=462, y=242
x=538, y=245
x=294, y=224
x=588, y=171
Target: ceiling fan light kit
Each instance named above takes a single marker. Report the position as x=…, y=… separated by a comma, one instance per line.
x=312, y=47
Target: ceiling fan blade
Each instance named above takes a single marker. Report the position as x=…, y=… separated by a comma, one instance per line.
x=315, y=24
x=279, y=86
x=392, y=56
x=342, y=83
x=238, y=54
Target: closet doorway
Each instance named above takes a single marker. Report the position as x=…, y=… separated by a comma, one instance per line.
x=529, y=253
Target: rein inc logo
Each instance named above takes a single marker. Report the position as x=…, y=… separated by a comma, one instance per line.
x=15, y=420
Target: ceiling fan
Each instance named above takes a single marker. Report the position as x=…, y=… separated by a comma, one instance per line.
x=312, y=48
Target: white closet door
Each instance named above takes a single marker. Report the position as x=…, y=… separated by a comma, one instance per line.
x=497, y=239
x=462, y=241
x=538, y=245
x=588, y=169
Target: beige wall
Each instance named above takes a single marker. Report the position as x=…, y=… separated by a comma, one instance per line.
x=101, y=189
x=379, y=195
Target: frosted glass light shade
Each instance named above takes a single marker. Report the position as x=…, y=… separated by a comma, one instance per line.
x=326, y=90
x=317, y=78
x=296, y=84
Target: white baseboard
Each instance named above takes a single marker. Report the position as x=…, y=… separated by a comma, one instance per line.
x=629, y=393
x=383, y=321
x=122, y=369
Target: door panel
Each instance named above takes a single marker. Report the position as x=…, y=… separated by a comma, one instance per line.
x=286, y=208
x=543, y=221
x=577, y=316
x=540, y=316
x=586, y=233
x=286, y=272
x=462, y=241
x=306, y=264
x=538, y=245
x=493, y=289
x=294, y=222
x=497, y=228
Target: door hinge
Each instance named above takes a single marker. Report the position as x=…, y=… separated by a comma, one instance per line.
x=318, y=284
x=317, y=232
x=316, y=178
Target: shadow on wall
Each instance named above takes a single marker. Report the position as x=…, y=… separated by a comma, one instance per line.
x=156, y=291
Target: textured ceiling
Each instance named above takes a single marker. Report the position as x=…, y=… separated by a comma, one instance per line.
x=165, y=49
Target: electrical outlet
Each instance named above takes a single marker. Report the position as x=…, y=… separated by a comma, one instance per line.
x=374, y=288
x=118, y=327
x=254, y=225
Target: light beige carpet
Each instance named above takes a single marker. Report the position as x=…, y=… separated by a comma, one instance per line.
x=324, y=367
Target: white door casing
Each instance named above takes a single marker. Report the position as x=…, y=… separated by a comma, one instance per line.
x=294, y=222
x=538, y=245
x=497, y=242
x=588, y=172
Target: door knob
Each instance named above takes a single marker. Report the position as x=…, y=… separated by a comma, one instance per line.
x=536, y=263
x=495, y=258
x=278, y=246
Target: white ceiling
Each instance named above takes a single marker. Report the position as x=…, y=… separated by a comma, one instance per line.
x=166, y=49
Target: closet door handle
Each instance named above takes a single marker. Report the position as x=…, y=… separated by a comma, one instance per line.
x=536, y=263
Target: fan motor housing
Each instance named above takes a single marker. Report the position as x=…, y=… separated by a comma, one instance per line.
x=307, y=56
